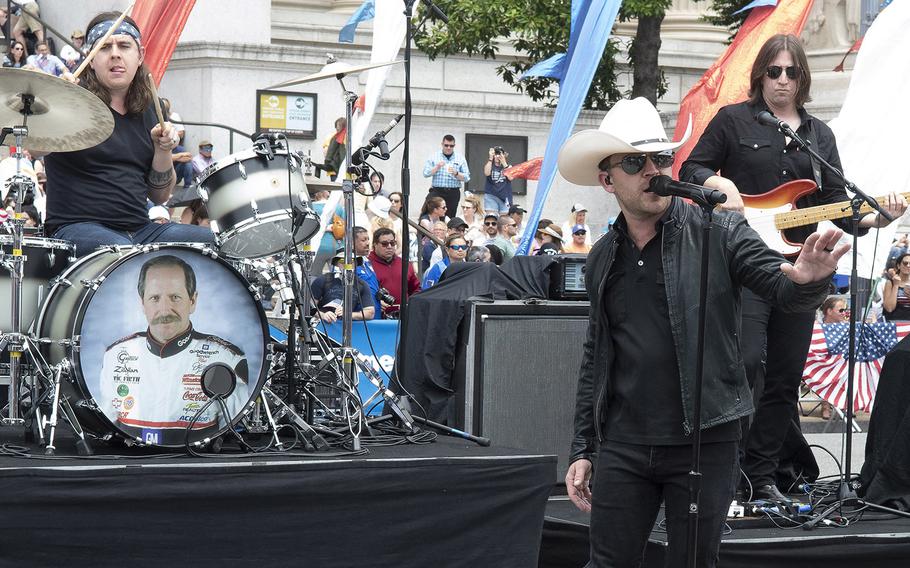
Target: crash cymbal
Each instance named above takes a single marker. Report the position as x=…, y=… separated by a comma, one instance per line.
x=314, y=183
x=333, y=70
x=64, y=116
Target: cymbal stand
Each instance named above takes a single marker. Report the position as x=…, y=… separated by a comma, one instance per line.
x=353, y=410
x=14, y=340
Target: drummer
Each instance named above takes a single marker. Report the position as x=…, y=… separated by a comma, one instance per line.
x=99, y=196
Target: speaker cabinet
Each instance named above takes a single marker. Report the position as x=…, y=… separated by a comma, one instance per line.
x=517, y=372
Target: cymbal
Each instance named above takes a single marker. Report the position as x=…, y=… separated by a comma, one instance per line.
x=65, y=117
x=333, y=70
x=314, y=183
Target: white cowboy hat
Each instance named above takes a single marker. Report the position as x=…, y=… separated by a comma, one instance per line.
x=630, y=126
x=380, y=206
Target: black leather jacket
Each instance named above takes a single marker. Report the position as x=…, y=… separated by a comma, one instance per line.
x=738, y=257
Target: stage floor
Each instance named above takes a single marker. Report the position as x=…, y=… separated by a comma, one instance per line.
x=448, y=503
x=875, y=541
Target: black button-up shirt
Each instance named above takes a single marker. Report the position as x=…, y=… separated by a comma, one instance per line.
x=757, y=158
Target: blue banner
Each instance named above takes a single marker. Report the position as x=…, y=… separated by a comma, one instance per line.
x=383, y=335
x=592, y=21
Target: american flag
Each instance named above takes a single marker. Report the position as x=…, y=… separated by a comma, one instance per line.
x=826, y=365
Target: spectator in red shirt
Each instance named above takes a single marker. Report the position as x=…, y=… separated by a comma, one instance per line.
x=387, y=266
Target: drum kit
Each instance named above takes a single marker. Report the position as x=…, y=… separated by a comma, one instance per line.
x=69, y=340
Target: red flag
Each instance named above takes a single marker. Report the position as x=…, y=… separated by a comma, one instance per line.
x=727, y=81
x=525, y=170
x=361, y=103
x=853, y=48
x=161, y=22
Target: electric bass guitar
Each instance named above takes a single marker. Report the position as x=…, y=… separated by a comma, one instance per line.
x=772, y=212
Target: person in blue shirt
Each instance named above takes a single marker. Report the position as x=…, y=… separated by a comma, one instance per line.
x=448, y=170
x=456, y=248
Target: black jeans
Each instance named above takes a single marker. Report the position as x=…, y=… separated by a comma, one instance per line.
x=631, y=480
x=775, y=345
x=452, y=196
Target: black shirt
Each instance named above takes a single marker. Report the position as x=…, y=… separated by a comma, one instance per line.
x=644, y=405
x=106, y=183
x=328, y=288
x=757, y=158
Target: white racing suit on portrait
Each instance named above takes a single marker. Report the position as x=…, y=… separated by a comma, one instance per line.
x=152, y=391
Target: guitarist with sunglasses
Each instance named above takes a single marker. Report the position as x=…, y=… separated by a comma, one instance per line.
x=742, y=157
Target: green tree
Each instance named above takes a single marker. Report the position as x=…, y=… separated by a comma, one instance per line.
x=538, y=29
x=723, y=14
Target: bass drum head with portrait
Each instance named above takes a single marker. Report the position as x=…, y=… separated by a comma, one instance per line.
x=136, y=360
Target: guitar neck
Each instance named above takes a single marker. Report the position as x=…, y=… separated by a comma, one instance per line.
x=812, y=215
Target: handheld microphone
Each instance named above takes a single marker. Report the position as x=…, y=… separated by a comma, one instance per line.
x=665, y=186
x=768, y=119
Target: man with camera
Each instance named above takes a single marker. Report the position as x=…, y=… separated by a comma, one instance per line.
x=497, y=191
x=387, y=267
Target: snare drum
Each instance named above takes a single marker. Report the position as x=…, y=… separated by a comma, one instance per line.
x=44, y=259
x=251, y=207
x=136, y=366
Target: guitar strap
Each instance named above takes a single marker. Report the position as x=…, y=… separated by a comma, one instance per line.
x=816, y=167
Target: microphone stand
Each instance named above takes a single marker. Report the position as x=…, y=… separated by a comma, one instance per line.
x=694, y=478
x=400, y=358
x=846, y=494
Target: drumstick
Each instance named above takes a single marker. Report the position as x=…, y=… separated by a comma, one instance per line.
x=157, y=102
x=100, y=43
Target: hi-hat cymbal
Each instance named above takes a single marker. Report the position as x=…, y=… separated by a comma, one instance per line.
x=333, y=70
x=64, y=116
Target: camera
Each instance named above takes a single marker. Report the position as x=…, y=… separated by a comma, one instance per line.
x=498, y=150
x=384, y=296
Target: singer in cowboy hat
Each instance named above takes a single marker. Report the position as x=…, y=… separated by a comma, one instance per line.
x=632, y=441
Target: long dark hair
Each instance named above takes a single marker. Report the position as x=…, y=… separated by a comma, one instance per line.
x=22, y=56
x=766, y=55
x=432, y=202
x=139, y=95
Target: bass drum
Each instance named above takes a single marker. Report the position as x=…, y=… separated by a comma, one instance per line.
x=258, y=203
x=139, y=326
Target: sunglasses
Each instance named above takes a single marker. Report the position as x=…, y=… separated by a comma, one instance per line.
x=206, y=147
x=634, y=163
x=17, y=49
x=490, y=223
x=774, y=71
x=386, y=243
x=580, y=233
x=843, y=310
x=458, y=247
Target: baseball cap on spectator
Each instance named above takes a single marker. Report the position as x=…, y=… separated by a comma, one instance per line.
x=339, y=255
x=77, y=33
x=456, y=223
x=205, y=143
x=159, y=212
x=548, y=249
x=491, y=216
x=517, y=209
x=578, y=207
x=578, y=229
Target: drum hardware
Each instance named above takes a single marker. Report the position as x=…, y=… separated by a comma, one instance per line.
x=62, y=403
x=313, y=440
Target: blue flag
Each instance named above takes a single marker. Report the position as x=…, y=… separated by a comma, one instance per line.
x=552, y=67
x=366, y=12
x=756, y=4
x=592, y=21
